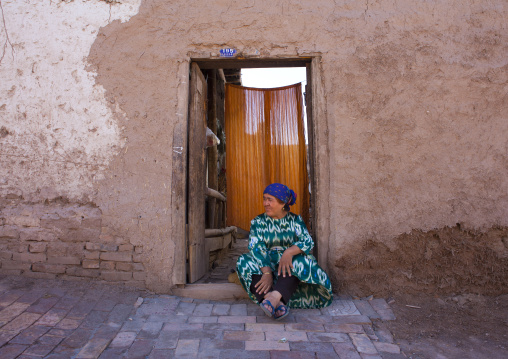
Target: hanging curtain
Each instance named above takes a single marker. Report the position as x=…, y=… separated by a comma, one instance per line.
x=265, y=144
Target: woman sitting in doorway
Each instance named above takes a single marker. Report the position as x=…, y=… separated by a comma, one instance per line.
x=278, y=271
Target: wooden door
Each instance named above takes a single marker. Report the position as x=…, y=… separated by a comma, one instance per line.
x=198, y=261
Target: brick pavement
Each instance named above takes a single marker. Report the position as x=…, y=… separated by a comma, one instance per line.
x=84, y=319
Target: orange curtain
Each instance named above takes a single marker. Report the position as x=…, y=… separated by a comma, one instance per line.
x=265, y=144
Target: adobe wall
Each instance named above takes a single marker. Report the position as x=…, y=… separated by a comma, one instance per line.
x=415, y=99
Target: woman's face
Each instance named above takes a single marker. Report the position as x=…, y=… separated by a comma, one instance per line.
x=273, y=206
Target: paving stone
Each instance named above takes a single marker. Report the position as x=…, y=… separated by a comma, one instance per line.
x=12, y=311
x=50, y=339
x=363, y=343
x=123, y=340
x=316, y=347
x=289, y=336
x=185, y=326
x=265, y=327
x=317, y=319
x=328, y=337
x=383, y=309
x=221, y=309
x=224, y=326
x=161, y=354
x=68, y=324
x=52, y=317
x=60, y=332
x=370, y=356
x=21, y=322
x=42, y=305
x=113, y=353
x=238, y=310
x=150, y=330
x=383, y=333
x=78, y=338
x=239, y=353
x=40, y=350
x=10, y=297
x=133, y=325
x=5, y=336
x=351, y=319
x=218, y=345
x=291, y=355
x=67, y=302
x=107, y=331
x=81, y=309
x=306, y=327
x=93, y=320
x=387, y=347
x=93, y=348
x=167, y=340
x=12, y=350
x=243, y=335
x=201, y=334
x=265, y=345
x=203, y=310
x=211, y=319
x=187, y=347
x=370, y=332
x=185, y=308
x=344, y=328
x=341, y=307
x=366, y=309
x=346, y=350
x=265, y=319
x=236, y=319
x=30, y=335
x=31, y=297
x=306, y=312
x=105, y=305
x=120, y=313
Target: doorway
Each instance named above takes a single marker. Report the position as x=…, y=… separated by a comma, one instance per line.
x=206, y=229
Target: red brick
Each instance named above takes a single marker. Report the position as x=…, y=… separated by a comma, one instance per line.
x=29, y=257
x=64, y=260
x=60, y=249
x=92, y=255
x=5, y=255
x=125, y=267
x=38, y=247
x=37, y=234
x=23, y=221
x=9, y=232
x=264, y=345
x=116, y=276
x=125, y=247
x=48, y=268
x=138, y=249
x=138, y=266
x=107, y=265
x=15, y=265
x=80, y=235
x=137, y=258
x=139, y=275
x=90, y=264
x=117, y=256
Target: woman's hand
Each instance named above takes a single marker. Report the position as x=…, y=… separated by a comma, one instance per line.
x=286, y=261
x=265, y=284
x=285, y=264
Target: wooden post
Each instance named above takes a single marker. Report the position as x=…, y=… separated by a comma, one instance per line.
x=212, y=151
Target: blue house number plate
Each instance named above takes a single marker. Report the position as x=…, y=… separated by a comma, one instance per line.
x=227, y=52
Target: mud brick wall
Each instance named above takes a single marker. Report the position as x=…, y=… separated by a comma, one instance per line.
x=65, y=240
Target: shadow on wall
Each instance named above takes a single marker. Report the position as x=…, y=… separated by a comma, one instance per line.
x=445, y=261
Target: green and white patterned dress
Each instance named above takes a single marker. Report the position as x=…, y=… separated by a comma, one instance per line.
x=268, y=239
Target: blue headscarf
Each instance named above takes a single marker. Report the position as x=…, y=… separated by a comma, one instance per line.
x=282, y=192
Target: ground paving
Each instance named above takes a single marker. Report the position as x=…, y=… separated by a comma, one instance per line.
x=42, y=318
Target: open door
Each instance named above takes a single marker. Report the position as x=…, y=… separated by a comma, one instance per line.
x=197, y=256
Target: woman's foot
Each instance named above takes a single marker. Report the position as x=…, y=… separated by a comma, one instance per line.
x=281, y=311
x=271, y=301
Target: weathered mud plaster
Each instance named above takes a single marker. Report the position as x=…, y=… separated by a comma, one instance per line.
x=415, y=98
x=60, y=133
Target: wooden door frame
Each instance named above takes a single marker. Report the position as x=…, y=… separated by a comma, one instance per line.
x=318, y=151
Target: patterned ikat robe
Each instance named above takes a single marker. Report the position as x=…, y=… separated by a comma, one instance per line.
x=268, y=238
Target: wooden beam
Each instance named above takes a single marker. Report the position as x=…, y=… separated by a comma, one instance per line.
x=219, y=232
x=215, y=243
x=236, y=63
x=215, y=194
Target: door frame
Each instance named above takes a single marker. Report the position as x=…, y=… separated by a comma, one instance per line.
x=317, y=125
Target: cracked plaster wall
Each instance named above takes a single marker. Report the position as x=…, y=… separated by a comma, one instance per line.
x=415, y=99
